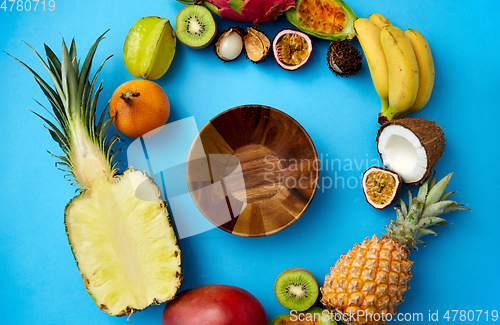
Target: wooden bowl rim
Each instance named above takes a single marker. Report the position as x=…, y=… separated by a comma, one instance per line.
x=306, y=206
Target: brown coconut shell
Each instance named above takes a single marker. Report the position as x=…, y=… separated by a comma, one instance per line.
x=431, y=137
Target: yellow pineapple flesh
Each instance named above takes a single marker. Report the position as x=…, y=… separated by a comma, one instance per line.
x=125, y=246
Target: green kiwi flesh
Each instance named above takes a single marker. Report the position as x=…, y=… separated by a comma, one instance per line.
x=296, y=289
x=312, y=316
x=195, y=26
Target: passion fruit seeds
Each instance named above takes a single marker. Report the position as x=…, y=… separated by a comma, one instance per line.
x=381, y=187
x=292, y=49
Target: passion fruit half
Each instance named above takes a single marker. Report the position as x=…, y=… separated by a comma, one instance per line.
x=292, y=49
x=381, y=187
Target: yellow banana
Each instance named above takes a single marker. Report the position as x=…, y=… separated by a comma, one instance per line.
x=379, y=20
x=426, y=69
x=369, y=37
x=403, y=71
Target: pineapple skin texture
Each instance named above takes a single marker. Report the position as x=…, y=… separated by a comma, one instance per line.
x=370, y=279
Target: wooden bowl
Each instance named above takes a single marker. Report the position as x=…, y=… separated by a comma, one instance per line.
x=252, y=171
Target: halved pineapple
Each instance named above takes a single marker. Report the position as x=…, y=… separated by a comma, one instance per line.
x=125, y=246
x=118, y=226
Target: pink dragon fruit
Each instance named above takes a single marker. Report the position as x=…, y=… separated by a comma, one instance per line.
x=256, y=11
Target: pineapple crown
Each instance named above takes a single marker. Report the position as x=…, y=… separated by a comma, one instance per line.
x=74, y=103
x=413, y=221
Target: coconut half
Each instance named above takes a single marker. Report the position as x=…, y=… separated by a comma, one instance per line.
x=410, y=147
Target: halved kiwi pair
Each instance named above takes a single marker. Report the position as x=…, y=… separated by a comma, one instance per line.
x=195, y=26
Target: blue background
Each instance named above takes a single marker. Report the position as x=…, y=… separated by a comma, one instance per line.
x=459, y=269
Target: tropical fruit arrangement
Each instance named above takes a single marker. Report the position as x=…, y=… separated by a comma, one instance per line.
x=118, y=225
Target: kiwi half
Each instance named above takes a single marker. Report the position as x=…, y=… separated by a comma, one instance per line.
x=312, y=316
x=296, y=289
x=195, y=26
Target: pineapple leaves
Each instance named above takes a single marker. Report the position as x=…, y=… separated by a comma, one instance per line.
x=105, y=127
x=74, y=106
x=433, y=180
x=422, y=191
x=56, y=134
x=110, y=143
x=52, y=95
x=410, y=197
x=437, y=190
x=54, y=63
x=423, y=231
x=56, y=106
x=56, y=80
x=423, y=212
x=429, y=221
x=447, y=195
x=69, y=81
x=72, y=55
x=413, y=213
x=400, y=213
x=455, y=207
x=85, y=72
x=91, y=104
x=436, y=209
x=403, y=207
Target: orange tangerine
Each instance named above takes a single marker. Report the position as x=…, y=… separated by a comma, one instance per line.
x=138, y=107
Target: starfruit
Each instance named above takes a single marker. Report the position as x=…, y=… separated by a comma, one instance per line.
x=149, y=48
x=327, y=19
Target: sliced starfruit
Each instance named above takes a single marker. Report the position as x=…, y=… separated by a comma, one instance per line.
x=312, y=316
x=149, y=48
x=327, y=19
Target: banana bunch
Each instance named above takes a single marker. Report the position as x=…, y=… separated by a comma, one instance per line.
x=400, y=64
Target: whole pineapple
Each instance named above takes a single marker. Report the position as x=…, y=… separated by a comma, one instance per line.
x=367, y=284
x=118, y=226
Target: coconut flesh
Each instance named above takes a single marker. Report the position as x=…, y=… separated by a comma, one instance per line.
x=410, y=147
